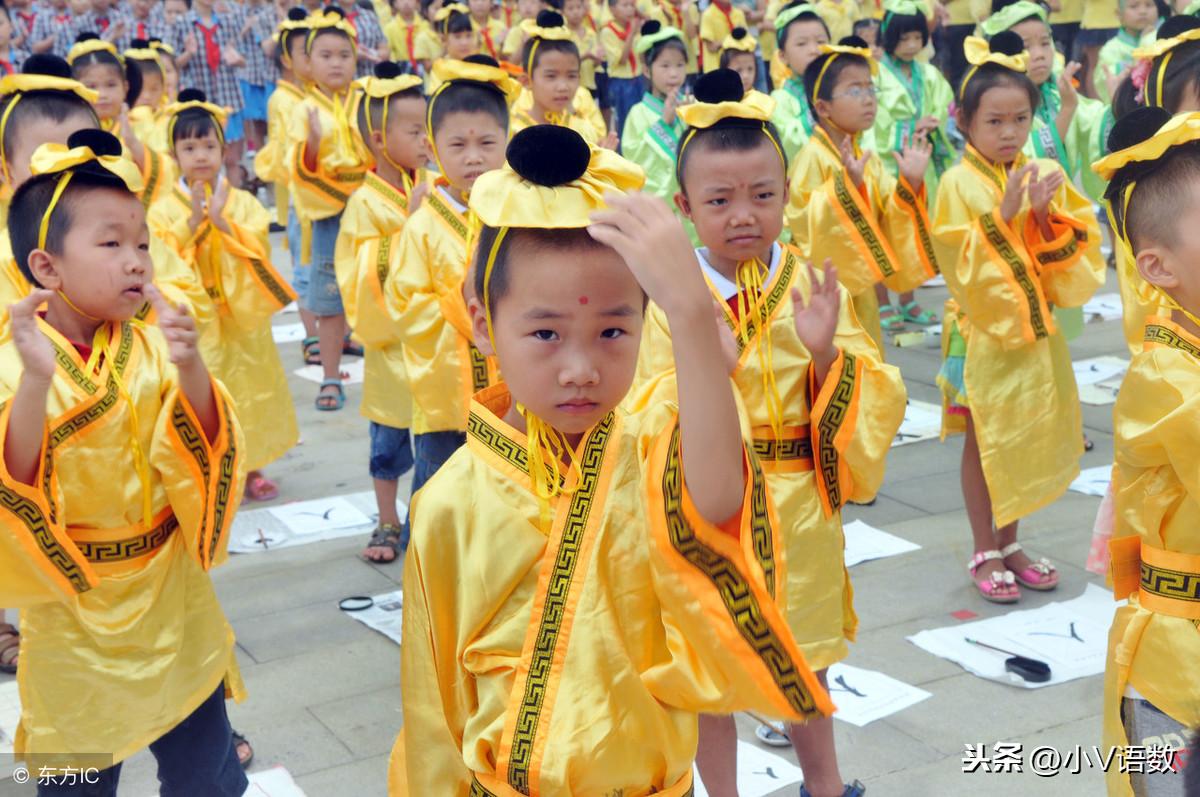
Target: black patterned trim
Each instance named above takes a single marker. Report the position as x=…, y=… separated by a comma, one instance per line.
x=382, y=260
x=447, y=215
x=1169, y=337
x=1177, y=585
x=267, y=278
x=970, y=157
x=130, y=547
x=479, y=368
x=831, y=421
x=998, y=241
x=1064, y=252
x=794, y=448
x=923, y=236
x=862, y=226
x=35, y=522
x=193, y=440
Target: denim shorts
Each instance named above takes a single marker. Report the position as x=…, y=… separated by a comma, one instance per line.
x=195, y=757
x=323, y=297
x=254, y=98
x=299, y=270
x=391, y=452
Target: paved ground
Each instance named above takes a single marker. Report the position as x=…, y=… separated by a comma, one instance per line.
x=324, y=695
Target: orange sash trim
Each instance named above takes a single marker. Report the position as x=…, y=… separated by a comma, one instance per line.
x=1166, y=582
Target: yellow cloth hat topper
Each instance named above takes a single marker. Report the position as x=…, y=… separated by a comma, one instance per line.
x=1005, y=50
x=1180, y=129
x=194, y=100
x=327, y=20
x=739, y=39
x=548, y=25
x=142, y=54
x=448, y=70
x=15, y=87
x=714, y=101
x=1174, y=33
x=162, y=47
x=82, y=48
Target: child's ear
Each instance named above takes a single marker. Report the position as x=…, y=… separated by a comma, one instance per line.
x=960, y=121
x=1157, y=267
x=681, y=202
x=41, y=266
x=822, y=108
x=479, y=328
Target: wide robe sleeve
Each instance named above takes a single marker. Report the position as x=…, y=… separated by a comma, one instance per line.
x=1069, y=267
x=364, y=289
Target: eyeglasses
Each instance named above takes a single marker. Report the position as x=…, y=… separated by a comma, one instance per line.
x=858, y=93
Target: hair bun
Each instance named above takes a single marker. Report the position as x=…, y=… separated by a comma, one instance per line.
x=482, y=60
x=341, y=12
x=738, y=33
x=550, y=19
x=297, y=14
x=1136, y=126
x=1007, y=43
x=46, y=64
x=549, y=155
x=651, y=27
x=192, y=95
x=854, y=41
x=1177, y=25
x=99, y=141
x=86, y=36
x=386, y=70
x=139, y=44
x=719, y=85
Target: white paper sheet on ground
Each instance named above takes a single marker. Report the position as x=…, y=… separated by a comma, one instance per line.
x=273, y=782
x=384, y=615
x=290, y=308
x=759, y=773
x=1092, y=481
x=258, y=530
x=352, y=366
x=1103, y=307
x=319, y=514
x=863, y=696
x=864, y=543
x=922, y=421
x=10, y=715
x=1099, y=379
x=1071, y=636
x=287, y=333
x=936, y=282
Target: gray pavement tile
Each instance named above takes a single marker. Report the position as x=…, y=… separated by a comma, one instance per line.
x=366, y=777
x=321, y=581
x=366, y=723
x=295, y=631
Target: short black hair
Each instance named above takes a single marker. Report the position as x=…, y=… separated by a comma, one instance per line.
x=803, y=16
x=30, y=201
x=976, y=82
x=194, y=122
x=546, y=19
x=469, y=96
x=456, y=22
x=830, y=78
x=53, y=106
x=129, y=71
x=896, y=25
x=520, y=241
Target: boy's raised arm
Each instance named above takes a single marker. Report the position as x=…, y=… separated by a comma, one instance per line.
x=27, y=418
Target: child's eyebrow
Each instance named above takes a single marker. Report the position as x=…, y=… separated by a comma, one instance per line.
x=620, y=310
x=542, y=313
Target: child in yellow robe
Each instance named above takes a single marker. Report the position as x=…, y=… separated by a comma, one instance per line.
x=489, y=30
x=738, y=53
x=716, y=22
x=618, y=548
x=391, y=120
x=468, y=128
x=552, y=67
x=813, y=385
x=121, y=474
x=146, y=111
x=1151, y=681
x=220, y=232
x=326, y=162
x=1014, y=239
x=410, y=39
x=845, y=205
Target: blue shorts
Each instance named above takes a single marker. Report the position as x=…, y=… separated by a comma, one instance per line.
x=254, y=99
x=623, y=94
x=391, y=452
x=197, y=756
x=299, y=270
x=234, y=129
x=323, y=298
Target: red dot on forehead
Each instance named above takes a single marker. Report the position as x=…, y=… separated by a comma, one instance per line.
x=583, y=300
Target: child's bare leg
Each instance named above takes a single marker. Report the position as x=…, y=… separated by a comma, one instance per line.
x=386, y=491
x=309, y=319
x=817, y=753
x=716, y=755
x=979, y=509
x=331, y=330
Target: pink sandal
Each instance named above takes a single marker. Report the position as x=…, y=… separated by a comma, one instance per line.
x=1001, y=587
x=260, y=488
x=1040, y=575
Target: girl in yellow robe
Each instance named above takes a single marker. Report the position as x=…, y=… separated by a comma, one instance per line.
x=146, y=112
x=121, y=476
x=620, y=571
x=809, y=398
x=1152, y=686
x=1015, y=239
x=845, y=205
x=220, y=232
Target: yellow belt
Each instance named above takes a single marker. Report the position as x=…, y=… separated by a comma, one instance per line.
x=684, y=788
x=1167, y=582
x=126, y=542
x=791, y=451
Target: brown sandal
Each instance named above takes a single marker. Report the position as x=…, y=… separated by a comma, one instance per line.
x=10, y=640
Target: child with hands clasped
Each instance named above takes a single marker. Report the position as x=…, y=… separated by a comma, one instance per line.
x=1015, y=239
x=220, y=232
x=642, y=526
x=122, y=471
x=653, y=128
x=799, y=34
x=844, y=204
x=810, y=378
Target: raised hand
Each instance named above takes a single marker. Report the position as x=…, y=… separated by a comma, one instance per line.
x=216, y=205
x=177, y=327
x=857, y=167
x=1066, y=85
x=669, y=105
x=816, y=322
x=1014, y=190
x=610, y=141
x=1042, y=191
x=198, y=212
x=33, y=347
x=913, y=159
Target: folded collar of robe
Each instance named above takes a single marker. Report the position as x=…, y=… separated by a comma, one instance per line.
x=788, y=14
x=1010, y=15
x=80, y=49
x=665, y=33
x=327, y=20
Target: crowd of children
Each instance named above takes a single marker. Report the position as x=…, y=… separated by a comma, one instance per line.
x=621, y=274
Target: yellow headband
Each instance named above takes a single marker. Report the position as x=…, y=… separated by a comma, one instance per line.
x=450, y=71
x=833, y=51
x=754, y=107
x=327, y=20
x=218, y=114
x=163, y=47
x=382, y=89
x=143, y=54
x=56, y=158
x=979, y=53
x=536, y=34
x=20, y=84
x=80, y=49
x=746, y=44
x=1163, y=49
x=788, y=14
x=443, y=14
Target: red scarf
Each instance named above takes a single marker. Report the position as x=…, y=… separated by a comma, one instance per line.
x=350, y=17
x=623, y=35
x=103, y=23
x=487, y=42
x=6, y=66
x=673, y=13
x=27, y=18
x=141, y=31
x=212, y=48
x=409, y=33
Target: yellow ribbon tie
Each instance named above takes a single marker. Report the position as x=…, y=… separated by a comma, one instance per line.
x=545, y=449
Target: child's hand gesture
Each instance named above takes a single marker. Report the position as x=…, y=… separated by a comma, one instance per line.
x=314, y=130
x=1066, y=86
x=669, y=105
x=216, y=206
x=177, y=327
x=926, y=125
x=857, y=167
x=816, y=323
x=198, y=212
x=1042, y=191
x=610, y=141
x=913, y=159
x=37, y=355
x=644, y=231
x=1014, y=190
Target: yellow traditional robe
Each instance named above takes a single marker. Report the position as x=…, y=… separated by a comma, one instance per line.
x=1153, y=645
x=1004, y=281
x=574, y=661
x=341, y=158
x=373, y=218
x=881, y=235
x=850, y=424
x=121, y=633
x=424, y=291
x=270, y=162
x=584, y=116
x=244, y=291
